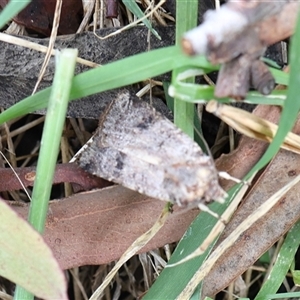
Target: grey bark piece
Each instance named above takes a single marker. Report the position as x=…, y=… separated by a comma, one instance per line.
x=19, y=67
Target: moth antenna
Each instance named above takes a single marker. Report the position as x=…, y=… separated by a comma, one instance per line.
x=205, y=208
x=82, y=149
x=227, y=176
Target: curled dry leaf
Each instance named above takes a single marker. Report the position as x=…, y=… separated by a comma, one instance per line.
x=111, y=9
x=236, y=35
x=248, y=29
x=63, y=173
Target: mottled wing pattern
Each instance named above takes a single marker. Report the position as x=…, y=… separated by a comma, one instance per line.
x=139, y=148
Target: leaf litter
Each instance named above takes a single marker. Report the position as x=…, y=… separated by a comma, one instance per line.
x=119, y=278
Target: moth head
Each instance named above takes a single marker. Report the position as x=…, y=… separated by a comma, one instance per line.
x=188, y=184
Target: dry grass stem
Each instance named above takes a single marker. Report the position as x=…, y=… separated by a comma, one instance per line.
x=230, y=240
x=131, y=24
x=74, y=273
x=27, y=44
x=138, y=244
x=50, y=47
x=25, y=127
x=251, y=125
x=156, y=14
x=218, y=228
x=88, y=7
x=33, y=153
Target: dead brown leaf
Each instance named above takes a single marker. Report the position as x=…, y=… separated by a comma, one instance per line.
x=97, y=227
x=240, y=161
x=69, y=172
x=266, y=231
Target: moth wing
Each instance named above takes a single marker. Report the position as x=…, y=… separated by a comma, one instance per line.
x=125, y=169
x=134, y=127
x=140, y=149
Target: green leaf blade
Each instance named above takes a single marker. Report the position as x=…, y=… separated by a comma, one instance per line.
x=12, y=8
x=135, y=9
x=26, y=259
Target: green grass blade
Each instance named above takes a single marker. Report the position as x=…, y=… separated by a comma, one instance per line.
x=197, y=125
x=135, y=9
x=173, y=280
x=117, y=74
x=290, y=295
x=169, y=99
x=12, y=8
x=271, y=63
x=287, y=120
x=55, y=118
x=284, y=260
x=291, y=105
x=196, y=93
x=169, y=284
x=186, y=18
x=52, y=132
x=280, y=76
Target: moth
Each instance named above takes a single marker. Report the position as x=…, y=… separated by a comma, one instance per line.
x=139, y=148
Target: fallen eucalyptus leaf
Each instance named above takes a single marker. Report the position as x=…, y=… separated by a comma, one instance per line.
x=97, y=227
